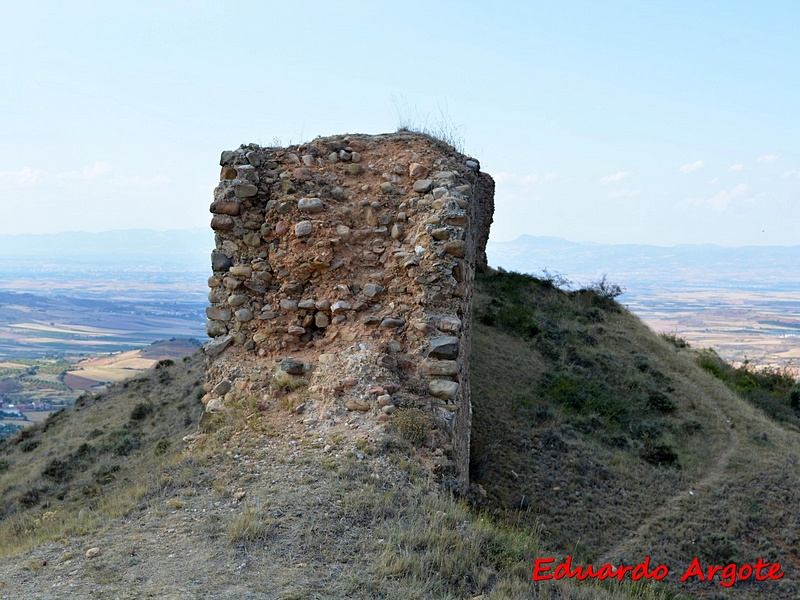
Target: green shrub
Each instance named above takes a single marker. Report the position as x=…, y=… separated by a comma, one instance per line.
x=659, y=452
x=413, y=424
x=141, y=411
x=161, y=446
x=661, y=402
x=29, y=445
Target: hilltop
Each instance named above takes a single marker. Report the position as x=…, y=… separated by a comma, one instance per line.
x=592, y=436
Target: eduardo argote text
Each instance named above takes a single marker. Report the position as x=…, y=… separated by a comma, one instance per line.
x=726, y=576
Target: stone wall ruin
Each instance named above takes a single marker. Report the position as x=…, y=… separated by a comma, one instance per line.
x=342, y=285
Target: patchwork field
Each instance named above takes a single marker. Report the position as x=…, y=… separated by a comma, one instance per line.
x=760, y=327
x=37, y=386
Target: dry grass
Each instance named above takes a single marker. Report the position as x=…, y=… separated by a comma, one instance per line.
x=578, y=455
x=259, y=505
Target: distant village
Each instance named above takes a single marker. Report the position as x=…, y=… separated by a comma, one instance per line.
x=10, y=413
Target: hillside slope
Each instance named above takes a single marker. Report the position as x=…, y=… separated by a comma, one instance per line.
x=589, y=433
x=616, y=444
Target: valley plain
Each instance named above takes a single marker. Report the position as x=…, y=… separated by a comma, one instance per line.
x=742, y=302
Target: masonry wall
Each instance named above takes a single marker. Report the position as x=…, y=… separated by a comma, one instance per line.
x=342, y=286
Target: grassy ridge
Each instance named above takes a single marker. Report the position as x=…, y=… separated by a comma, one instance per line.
x=611, y=439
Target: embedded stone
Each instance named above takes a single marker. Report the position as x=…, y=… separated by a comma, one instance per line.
x=292, y=367
x=227, y=173
x=473, y=165
x=392, y=322
x=339, y=307
x=303, y=229
x=389, y=362
x=220, y=261
x=223, y=387
x=254, y=158
x=248, y=173
x=441, y=234
x=252, y=239
x=456, y=221
x=254, y=287
x=217, y=346
x=215, y=405
x=216, y=328
x=442, y=368
x=354, y=169
x=443, y=388
x=222, y=207
x=231, y=283
x=289, y=304
x=418, y=171
x=370, y=290
x=226, y=158
x=310, y=205
x=423, y=185
x=241, y=271
x=303, y=174
x=237, y=300
x=450, y=324
x=357, y=405
x=457, y=248
x=218, y=314
x=397, y=231
x=245, y=190
x=387, y=187
x=321, y=320
x=244, y=315
x=306, y=303
x=221, y=223
x=444, y=347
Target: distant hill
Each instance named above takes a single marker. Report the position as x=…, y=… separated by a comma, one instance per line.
x=688, y=266
x=173, y=249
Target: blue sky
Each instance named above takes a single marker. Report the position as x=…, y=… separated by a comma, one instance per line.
x=614, y=122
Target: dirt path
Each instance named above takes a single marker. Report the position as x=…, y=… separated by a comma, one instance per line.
x=671, y=507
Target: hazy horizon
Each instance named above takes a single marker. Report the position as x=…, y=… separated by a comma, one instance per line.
x=615, y=122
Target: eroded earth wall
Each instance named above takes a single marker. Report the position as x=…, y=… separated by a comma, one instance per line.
x=342, y=286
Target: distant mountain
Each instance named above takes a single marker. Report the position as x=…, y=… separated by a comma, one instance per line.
x=745, y=267
x=175, y=249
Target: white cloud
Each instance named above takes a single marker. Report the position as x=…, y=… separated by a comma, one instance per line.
x=791, y=173
x=736, y=168
x=624, y=193
x=713, y=180
x=616, y=177
x=25, y=177
x=89, y=173
x=767, y=158
x=691, y=167
x=722, y=199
